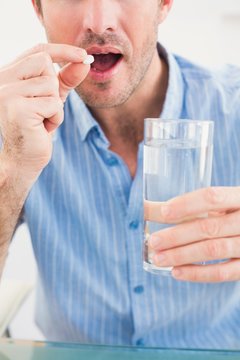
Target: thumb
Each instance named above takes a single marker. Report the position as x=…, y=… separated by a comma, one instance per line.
x=70, y=76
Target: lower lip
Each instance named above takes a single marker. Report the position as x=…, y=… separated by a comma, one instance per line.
x=105, y=75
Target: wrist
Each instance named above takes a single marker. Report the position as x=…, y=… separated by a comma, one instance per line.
x=12, y=172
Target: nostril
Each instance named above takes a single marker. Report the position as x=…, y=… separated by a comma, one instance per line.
x=98, y=22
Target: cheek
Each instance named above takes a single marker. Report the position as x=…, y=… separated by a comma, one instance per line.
x=65, y=31
x=142, y=25
x=144, y=39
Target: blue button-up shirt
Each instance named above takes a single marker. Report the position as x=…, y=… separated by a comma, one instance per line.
x=85, y=217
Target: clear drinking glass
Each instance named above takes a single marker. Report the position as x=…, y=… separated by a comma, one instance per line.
x=177, y=159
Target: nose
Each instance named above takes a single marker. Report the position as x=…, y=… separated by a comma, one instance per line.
x=100, y=16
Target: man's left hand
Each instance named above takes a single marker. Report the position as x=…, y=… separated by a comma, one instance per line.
x=207, y=228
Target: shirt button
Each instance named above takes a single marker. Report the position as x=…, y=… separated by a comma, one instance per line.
x=134, y=225
x=112, y=161
x=97, y=133
x=138, y=289
x=140, y=342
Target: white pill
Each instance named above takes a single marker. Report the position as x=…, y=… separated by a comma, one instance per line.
x=88, y=60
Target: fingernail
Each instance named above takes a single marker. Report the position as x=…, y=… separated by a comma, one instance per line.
x=154, y=241
x=88, y=60
x=80, y=53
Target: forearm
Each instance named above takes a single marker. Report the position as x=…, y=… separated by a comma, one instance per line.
x=13, y=192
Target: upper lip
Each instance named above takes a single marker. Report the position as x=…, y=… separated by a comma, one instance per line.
x=102, y=50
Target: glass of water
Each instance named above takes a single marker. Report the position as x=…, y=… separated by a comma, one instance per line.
x=177, y=159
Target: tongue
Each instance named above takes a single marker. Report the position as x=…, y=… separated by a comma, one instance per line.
x=104, y=62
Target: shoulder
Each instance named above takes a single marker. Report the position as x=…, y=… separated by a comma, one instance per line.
x=227, y=73
x=226, y=78
x=217, y=87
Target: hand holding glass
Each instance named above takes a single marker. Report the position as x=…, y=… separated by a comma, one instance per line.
x=177, y=159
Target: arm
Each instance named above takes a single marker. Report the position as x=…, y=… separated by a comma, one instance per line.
x=13, y=192
x=31, y=109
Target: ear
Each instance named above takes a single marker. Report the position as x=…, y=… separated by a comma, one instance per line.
x=164, y=8
x=37, y=11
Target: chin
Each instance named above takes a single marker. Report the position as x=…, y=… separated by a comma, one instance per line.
x=103, y=103
x=103, y=98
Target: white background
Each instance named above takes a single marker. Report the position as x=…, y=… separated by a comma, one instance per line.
x=206, y=31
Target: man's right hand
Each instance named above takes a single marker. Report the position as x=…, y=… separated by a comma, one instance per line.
x=31, y=103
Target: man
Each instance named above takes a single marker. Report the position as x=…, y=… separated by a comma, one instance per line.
x=81, y=183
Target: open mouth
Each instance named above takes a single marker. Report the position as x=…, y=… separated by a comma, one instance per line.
x=105, y=62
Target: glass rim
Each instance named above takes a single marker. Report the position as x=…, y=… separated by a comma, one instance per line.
x=178, y=121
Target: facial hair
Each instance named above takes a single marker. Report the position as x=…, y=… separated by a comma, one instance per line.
x=136, y=65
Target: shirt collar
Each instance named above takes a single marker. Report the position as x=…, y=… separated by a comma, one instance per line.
x=172, y=108
x=173, y=104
